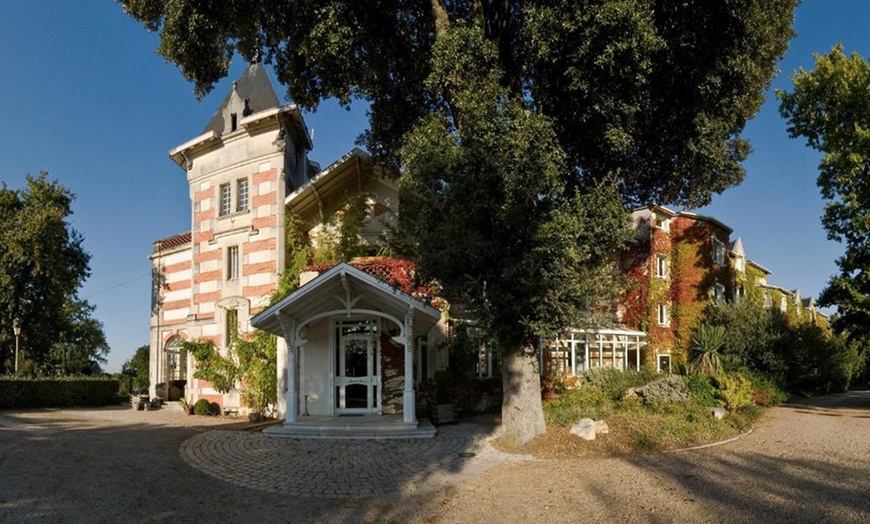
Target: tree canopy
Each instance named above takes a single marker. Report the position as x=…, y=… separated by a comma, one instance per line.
x=42, y=266
x=521, y=128
x=653, y=91
x=830, y=108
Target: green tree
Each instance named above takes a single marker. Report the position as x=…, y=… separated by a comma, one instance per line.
x=138, y=368
x=829, y=107
x=753, y=336
x=248, y=365
x=650, y=93
x=42, y=266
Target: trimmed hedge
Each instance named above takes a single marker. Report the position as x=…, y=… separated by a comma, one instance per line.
x=57, y=392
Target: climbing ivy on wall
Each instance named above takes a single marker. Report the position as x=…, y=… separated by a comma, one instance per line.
x=694, y=276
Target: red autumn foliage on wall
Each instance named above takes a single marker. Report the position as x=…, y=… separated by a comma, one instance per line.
x=690, y=276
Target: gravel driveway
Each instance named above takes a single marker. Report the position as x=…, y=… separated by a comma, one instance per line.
x=805, y=462
x=808, y=461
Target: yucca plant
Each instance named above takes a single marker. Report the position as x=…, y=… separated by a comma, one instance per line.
x=706, y=343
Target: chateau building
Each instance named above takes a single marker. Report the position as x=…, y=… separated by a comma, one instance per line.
x=360, y=344
x=358, y=338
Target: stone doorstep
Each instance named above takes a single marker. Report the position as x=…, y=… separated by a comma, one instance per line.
x=327, y=431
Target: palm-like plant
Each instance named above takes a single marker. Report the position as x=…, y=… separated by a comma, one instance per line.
x=706, y=343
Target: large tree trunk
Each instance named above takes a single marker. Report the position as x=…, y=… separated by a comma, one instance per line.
x=522, y=413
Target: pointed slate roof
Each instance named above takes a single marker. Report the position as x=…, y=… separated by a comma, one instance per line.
x=255, y=88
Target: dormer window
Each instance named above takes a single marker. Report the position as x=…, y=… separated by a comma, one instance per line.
x=662, y=223
x=234, y=122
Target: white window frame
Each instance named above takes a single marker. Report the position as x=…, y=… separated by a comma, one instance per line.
x=661, y=267
x=663, y=224
x=740, y=264
x=718, y=251
x=233, y=265
x=662, y=316
x=243, y=195
x=768, y=299
x=659, y=362
x=225, y=199
x=783, y=304
x=718, y=293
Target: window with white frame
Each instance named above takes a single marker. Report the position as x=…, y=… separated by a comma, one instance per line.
x=783, y=303
x=740, y=264
x=663, y=363
x=768, y=300
x=740, y=292
x=176, y=356
x=242, y=198
x=661, y=266
x=718, y=251
x=718, y=293
x=226, y=195
x=663, y=223
x=663, y=319
x=233, y=263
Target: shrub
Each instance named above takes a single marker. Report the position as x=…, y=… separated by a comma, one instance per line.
x=613, y=382
x=701, y=388
x=576, y=404
x=666, y=390
x=201, y=407
x=57, y=392
x=214, y=409
x=734, y=390
x=766, y=391
x=706, y=343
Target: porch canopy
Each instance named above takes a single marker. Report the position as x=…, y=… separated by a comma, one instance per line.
x=344, y=291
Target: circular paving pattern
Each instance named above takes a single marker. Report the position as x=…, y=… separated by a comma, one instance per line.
x=344, y=468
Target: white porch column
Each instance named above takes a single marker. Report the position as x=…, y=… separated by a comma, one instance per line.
x=282, y=376
x=288, y=326
x=409, y=404
x=637, y=356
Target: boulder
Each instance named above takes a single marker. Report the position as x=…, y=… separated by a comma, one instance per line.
x=719, y=413
x=584, y=429
x=601, y=427
x=633, y=393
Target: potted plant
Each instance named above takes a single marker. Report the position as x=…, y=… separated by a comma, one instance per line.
x=185, y=405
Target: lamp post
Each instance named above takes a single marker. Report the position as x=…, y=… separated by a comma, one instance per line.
x=16, y=328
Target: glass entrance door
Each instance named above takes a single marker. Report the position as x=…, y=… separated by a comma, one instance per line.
x=357, y=373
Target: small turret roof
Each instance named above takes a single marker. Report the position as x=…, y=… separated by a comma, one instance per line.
x=255, y=88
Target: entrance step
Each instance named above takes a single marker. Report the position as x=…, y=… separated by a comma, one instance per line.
x=369, y=427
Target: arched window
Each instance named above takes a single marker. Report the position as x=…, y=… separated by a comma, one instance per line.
x=176, y=357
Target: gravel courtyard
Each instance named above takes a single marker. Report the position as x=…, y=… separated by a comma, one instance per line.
x=808, y=461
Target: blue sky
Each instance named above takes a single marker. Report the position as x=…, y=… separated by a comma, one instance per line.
x=84, y=96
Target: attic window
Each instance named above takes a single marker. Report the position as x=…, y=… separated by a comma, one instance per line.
x=234, y=122
x=662, y=223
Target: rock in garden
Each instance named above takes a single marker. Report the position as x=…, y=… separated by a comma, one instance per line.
x=601, y=427
x=719, y=413
x=584, y=429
